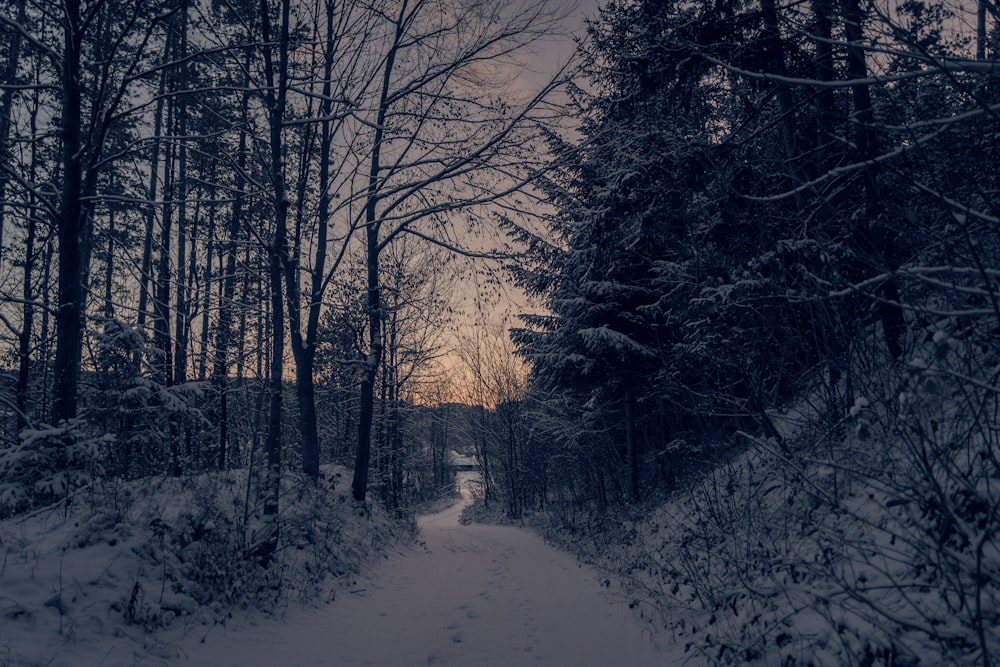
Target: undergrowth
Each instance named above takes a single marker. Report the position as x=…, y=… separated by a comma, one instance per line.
x=865, y=537
x=133, y=558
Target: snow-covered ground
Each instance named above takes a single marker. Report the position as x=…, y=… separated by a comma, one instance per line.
x=471, y=595
x=131, y=573
x=95, y=588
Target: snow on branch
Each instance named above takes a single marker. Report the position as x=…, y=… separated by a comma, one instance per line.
x=603, y=338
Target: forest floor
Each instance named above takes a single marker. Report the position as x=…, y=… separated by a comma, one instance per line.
x=471, y=595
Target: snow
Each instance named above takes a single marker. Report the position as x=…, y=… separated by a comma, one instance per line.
x=858, y=550
x=132, y=572
x=472, y=595
x=85, y=588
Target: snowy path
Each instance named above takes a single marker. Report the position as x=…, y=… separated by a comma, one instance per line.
x=476, y=596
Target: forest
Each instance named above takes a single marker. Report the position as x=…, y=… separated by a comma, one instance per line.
x=757, y=377
x=209, y=205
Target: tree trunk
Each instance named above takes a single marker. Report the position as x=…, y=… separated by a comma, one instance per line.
x=109, y=304
x=241, y=341
x=163, y=364
x=6, y=108
x=980, y=32
x=206, y=290
x=24, y=336
x=359, y=485
x=304, y=343
x=44, y=331
x=875, y=238
x=70, y=228
x=775, y=53
x=305, y=388
x=27, y=292
x=223, y=336
x=275, y=381
x=182, y=308
x=303, y=349
x=631, y=448
x=825, y=72
x=146, y=268
x=275, y=94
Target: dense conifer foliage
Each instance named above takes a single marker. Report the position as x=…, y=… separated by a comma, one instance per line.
x=771, y=318
x=751, y=185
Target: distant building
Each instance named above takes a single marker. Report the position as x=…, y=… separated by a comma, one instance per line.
x=462, y=462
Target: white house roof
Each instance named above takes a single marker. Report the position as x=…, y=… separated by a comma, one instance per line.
x=461, y=461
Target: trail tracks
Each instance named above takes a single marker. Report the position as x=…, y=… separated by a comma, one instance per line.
x=471, y=596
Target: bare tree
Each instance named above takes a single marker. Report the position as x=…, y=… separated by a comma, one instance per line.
x=84, y=133
x=449, y=140
x=9, y=83
x=417, y=302
x=228, y=254
x=343, y=74
x=275, y=95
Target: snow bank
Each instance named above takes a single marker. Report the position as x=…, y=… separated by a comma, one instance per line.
x=870, y=541
x=129, y=568
x=469, y=596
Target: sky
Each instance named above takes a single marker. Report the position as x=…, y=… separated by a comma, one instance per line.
x=495, y=294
